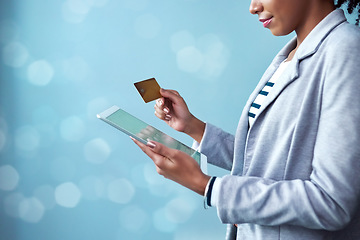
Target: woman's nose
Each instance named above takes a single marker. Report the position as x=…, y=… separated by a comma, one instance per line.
x=255, y=7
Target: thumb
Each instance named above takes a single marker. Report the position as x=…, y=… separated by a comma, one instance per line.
x=173, y=95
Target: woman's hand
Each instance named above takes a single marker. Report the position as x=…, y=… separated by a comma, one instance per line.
x=176, y=165
x=173, y=110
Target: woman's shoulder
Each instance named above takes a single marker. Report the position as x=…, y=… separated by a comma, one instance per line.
x=346, y=35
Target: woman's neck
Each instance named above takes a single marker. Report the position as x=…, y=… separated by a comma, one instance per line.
x=315, y=14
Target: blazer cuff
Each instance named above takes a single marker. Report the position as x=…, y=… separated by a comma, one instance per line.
x=196, y=145
x=213, y=192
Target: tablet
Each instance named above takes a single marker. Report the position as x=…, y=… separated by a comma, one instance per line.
x=144, y=132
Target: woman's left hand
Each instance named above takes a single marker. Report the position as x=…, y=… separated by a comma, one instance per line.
x=176, y=165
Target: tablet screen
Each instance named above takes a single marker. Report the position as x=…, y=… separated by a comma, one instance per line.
x=142, y=131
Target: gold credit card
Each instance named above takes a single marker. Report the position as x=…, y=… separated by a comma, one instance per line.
x=149, y=89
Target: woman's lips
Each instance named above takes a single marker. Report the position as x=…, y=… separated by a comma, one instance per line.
x=266, y=22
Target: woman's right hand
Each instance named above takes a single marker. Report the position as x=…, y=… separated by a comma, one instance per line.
x=173, y=110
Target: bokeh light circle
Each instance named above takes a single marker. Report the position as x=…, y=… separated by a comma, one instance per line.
x=189, y=59
x=180, y=40
x=120, y=191
x=67, y=195
x=9, y=178
x=31, y=210
x=97, y=151
x=40, y=73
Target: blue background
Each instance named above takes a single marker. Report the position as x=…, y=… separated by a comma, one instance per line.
x=64, y=174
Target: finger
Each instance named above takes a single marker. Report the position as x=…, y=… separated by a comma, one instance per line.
x=162, y=109
x=172, y=91
x=162, y=106
x=160, y=102
x=159, y=160
x=159, y=112
x=146, y=149
x=159, y=170
x=163, y=114
x=162, y=150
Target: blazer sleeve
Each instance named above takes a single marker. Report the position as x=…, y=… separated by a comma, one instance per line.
x=218, y=146
x=331, y=196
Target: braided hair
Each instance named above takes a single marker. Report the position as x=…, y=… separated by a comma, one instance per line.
x=351, y=6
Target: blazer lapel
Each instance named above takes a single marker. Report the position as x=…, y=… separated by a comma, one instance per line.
x=288, y=76
x=279, y=58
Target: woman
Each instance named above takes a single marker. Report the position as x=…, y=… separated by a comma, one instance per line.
x=295, y=158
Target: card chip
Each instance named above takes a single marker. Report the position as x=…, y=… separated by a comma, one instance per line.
x=149, y=89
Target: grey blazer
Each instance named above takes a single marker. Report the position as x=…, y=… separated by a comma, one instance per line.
x=295, y=174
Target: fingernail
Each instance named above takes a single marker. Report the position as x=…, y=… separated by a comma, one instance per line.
x=151, y=145
x=166, y=110
x=160, y=102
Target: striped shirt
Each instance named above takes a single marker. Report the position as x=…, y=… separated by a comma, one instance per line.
x=255, y=106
